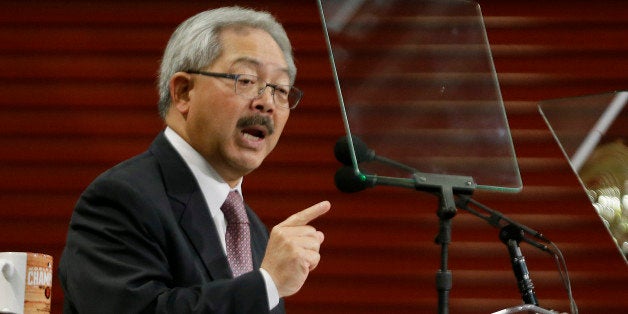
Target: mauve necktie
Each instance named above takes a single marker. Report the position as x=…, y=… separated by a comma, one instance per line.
x=238, y=238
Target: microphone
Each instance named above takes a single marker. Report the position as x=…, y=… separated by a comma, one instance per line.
x=348, y=181
x=343, y=153
x=363, y=154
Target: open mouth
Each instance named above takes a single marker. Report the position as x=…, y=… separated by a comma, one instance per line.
x=255, y=128
x=255, y=133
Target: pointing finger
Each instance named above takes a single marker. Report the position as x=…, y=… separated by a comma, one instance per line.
x=303, y=217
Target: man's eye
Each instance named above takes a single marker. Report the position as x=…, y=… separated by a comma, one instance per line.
x=284, y=91
x=246, y=81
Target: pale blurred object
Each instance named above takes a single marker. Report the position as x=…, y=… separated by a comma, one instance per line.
x=592, y=131
x=605, y=175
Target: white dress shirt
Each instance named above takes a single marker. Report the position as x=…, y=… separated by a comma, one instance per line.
x=215, y=191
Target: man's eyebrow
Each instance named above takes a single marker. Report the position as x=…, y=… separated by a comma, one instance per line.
x=254, y=62
x=247, y=60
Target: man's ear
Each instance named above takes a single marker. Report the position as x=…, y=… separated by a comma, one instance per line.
x=180, y=86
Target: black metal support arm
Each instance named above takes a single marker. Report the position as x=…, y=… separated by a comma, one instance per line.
x=499, y=220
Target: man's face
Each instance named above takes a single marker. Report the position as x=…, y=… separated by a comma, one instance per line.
x=226, y=128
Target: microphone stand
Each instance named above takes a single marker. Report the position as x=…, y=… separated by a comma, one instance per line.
x=511, y=235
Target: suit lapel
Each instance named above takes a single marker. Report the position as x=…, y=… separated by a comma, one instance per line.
x=190, y=208
x=201, y=230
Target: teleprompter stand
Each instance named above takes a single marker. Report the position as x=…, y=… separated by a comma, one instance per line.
x=430, y=116
x=455, y=192
x=445, y=187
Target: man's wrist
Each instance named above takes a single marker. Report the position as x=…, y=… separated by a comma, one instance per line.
x=271, y=289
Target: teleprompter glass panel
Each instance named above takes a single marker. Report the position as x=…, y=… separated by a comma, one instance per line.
x=592, y=131
x=416, y=83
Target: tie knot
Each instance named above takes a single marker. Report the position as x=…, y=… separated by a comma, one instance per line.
x=233, y=209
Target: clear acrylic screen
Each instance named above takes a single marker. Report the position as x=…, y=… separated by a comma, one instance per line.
x=592, y=131
x=416, y=83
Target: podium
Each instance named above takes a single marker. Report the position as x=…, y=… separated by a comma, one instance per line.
x=526, y=308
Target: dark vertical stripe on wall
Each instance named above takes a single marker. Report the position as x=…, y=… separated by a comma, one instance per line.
x=78, y=96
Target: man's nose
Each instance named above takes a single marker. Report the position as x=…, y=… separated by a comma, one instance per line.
x=264, y=101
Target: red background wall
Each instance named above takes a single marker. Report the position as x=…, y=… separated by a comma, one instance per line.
x=77, y=96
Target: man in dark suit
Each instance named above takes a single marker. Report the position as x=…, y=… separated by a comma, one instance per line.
x=150, y=235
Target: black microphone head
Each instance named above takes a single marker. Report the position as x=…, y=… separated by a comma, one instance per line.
x=343, y=152
x=347, y=181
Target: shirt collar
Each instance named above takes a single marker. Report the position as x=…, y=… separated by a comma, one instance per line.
x=213, y=187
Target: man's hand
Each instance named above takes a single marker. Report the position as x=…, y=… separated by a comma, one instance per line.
x=293, y=249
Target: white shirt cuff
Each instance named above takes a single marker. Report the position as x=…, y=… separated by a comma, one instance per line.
x=271, y=289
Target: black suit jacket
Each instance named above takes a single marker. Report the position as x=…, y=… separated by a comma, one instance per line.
x=141, y=240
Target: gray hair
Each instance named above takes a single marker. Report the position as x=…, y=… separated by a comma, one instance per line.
x=195, y=44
